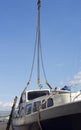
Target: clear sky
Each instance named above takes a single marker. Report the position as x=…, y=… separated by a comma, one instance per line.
x=60, y=39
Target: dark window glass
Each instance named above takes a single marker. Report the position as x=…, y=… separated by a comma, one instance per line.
x=36, y=106
x=43, y=104
x=49, y=102
x=33, y=95
x=28, y=108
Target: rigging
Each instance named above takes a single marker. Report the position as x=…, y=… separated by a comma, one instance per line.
x=39, y=53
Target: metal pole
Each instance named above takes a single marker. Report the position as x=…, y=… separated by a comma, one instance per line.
x=11, y=114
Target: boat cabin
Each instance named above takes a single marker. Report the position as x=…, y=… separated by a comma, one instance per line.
x=32, y=101
x=33, y=94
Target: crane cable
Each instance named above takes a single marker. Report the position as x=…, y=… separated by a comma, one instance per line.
x=39, y=53
x=33, y=61
x=38, y=56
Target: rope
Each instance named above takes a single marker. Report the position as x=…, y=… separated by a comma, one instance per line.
x=42, y=62
x=39, y=48
x=38, y=58
x=77, y=96
x=39, y=120
x=40, y=106
x=33, y=59
x=44, y=100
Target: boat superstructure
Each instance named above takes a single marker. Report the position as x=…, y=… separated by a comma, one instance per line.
x=38, y=108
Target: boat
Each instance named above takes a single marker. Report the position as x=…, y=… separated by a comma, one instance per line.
x=47, y=109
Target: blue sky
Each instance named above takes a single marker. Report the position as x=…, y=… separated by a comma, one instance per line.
x=60, y=39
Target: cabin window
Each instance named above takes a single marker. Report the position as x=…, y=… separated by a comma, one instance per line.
x=49, y=102
x=43, y=104
x=33, y=95
x=28, y=108
x=36, y=106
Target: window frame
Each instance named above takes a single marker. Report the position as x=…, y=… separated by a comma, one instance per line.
x=50, y=104
x=36, y=106
x=28, y=108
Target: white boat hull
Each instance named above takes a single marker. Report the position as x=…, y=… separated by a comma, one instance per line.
x=63, y=117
